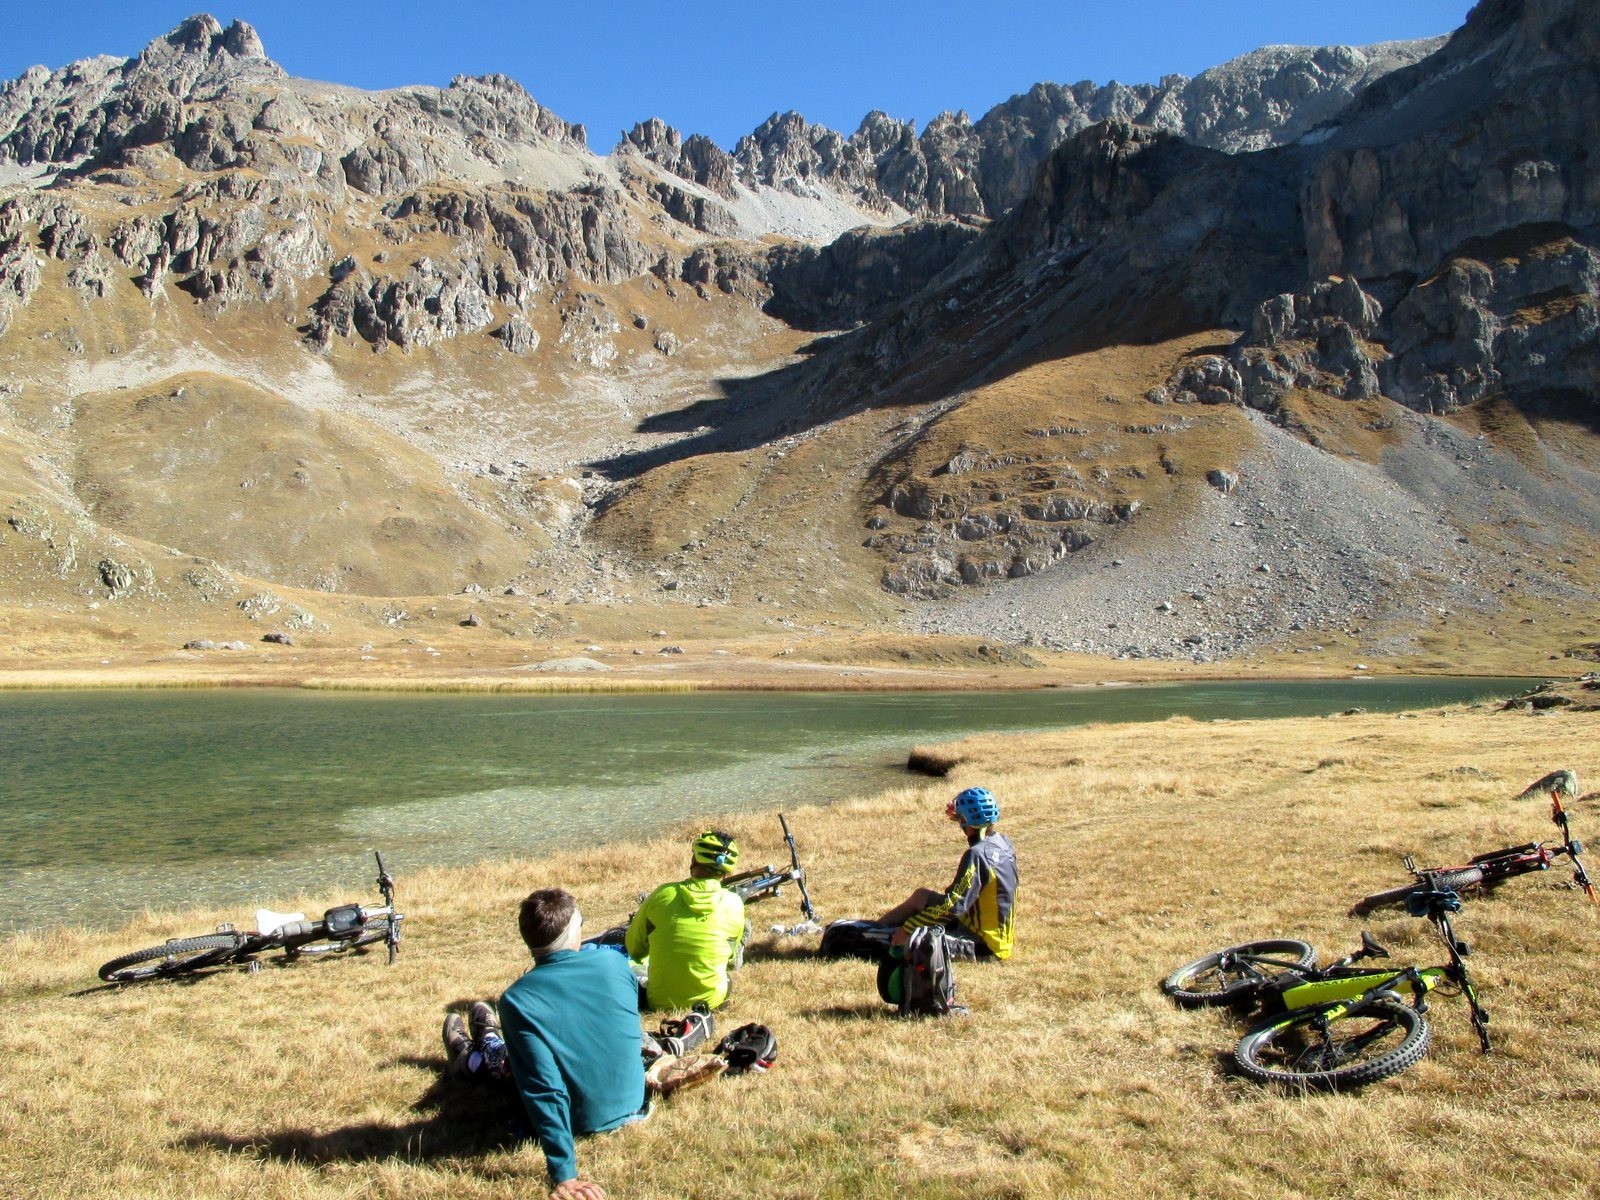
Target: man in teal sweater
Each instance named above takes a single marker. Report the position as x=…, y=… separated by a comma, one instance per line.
x=572, y=1032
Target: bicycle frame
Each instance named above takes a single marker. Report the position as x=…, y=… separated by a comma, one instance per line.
x=1339, y=995
x=1334, y=992
x=767, y=882
x=341, y=924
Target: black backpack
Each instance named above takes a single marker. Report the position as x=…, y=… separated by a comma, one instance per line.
x=748, y=1048
x=923, y=983
x=856, y=939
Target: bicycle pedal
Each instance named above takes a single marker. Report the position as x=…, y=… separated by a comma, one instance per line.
x=253, y=967
x=227, y=927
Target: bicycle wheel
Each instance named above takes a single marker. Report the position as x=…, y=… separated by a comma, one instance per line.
x=1455, y=879
x=1349, y=1051
x=1238, y=974
x=176, y=957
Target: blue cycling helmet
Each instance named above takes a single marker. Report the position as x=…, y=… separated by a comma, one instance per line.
x=975, y=808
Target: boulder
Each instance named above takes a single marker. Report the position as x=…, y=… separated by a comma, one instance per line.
x=517, y=336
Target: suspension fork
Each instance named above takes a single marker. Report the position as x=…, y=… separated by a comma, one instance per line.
x=1458, y=974
x=1558, y=814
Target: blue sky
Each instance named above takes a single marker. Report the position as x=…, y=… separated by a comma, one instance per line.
x=721, y=68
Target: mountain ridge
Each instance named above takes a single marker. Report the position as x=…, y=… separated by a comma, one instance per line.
x=938, y=370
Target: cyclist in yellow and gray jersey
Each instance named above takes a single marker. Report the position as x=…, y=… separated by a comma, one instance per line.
x=979, y=906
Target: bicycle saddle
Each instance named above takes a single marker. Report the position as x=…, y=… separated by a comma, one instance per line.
x=1372, y=947
x=269, y=922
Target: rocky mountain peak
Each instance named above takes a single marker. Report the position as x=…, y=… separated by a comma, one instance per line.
x=786, y=151
x=200, y=51
x=204, y=35
x=652, y=138
x=497, y=106
x=879, y=132
x=699, y=160
x=949, y=120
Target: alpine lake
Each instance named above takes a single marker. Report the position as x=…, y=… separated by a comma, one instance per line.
x=114, y=802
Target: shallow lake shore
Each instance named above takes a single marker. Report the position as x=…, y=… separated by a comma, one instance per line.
x=118, y=800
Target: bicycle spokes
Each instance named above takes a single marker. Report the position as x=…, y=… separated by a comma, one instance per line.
x=1325, y=1045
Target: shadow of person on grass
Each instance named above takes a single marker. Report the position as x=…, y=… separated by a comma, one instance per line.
x=841, y=1012
x=461, y=1118
x=780, y=949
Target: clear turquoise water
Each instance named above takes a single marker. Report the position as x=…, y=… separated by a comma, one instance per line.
x=112, y=802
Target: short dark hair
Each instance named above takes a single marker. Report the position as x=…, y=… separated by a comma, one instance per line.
x=544, y=916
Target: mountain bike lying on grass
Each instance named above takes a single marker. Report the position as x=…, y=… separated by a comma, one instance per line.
x=1333, y=1027
x=340, y=929
x=1488, y=871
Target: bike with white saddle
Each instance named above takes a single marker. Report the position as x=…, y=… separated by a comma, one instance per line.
x=340, y=929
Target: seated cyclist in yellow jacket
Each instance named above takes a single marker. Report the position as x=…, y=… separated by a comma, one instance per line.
x=688, y=935
x=978, y=909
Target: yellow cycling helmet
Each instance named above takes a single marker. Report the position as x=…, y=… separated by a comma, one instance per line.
x=716, y=850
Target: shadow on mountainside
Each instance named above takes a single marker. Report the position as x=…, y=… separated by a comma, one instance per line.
x=1172, y=241
x=463, y=1119
x=923, y=358
x=751, y=411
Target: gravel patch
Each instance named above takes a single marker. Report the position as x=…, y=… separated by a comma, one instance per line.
x=1306, y=541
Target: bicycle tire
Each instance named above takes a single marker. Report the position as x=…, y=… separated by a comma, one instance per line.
x=1270, y=1053
x=176, y=957
x=1455, y=879
x=1207, y=982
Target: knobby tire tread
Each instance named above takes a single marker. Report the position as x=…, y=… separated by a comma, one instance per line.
x=1241, y=990
x=1413, y=1046
x=153, y=958
x=1455, y=880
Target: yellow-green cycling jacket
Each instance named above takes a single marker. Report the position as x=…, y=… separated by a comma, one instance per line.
x=689, y=931
x=982, y=897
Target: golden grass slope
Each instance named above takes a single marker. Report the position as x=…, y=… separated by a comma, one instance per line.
x=230, y=472
x=1141, y=847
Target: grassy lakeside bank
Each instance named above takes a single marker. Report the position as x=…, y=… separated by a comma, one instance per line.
x=1141, y=846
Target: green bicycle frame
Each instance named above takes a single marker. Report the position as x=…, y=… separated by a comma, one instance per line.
x=1321, y=993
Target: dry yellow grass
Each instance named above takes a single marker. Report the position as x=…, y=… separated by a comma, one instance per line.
x=1141, y=847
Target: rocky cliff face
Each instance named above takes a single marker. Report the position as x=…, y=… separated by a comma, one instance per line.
x=1435, y=246
x=1461, y=195
x=515, y=191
